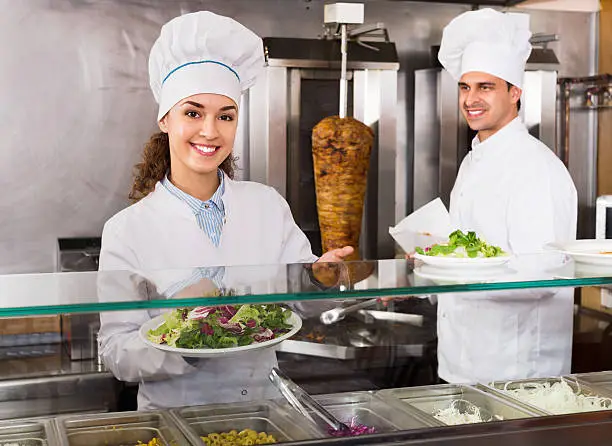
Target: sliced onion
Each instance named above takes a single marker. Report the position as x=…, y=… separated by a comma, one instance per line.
x=452, y=416
x=558, y=397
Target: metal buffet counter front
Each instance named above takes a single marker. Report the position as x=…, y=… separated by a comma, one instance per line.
x=333, y=314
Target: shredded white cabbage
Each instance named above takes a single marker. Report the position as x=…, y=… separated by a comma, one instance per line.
x=452, y=415
x=558, y=397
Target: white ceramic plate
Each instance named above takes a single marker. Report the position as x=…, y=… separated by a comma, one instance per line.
x=463, y=262
x=588, y=251
x=294, y=320
x=441, y=276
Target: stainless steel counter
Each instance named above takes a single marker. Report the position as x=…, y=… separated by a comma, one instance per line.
x=183, y=427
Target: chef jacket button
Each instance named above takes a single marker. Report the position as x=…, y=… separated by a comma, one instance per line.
x=244, y=392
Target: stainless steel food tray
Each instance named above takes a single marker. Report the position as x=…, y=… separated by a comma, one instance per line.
x=27, y=433
x=497, y=387
x=429, y=399
x=596, y=380
x=261, y=416
x=118, y=429
x=366, y=408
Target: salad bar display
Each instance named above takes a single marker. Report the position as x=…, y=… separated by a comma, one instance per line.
x=412, y=415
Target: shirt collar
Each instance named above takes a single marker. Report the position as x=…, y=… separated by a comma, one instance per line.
x=479, y=149
x=196, y=204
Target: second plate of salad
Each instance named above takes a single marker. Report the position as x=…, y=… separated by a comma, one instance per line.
x=463, y=250
x=205, y=332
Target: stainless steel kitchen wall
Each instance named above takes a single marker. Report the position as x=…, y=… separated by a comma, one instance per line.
x=75, y=107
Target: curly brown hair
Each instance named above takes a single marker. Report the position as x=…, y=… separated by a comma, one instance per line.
x=156, y=162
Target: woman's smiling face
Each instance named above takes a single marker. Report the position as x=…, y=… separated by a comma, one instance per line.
x=201, y=130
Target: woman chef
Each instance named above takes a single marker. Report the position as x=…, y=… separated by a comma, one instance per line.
x=192, y=213
x=515, y=193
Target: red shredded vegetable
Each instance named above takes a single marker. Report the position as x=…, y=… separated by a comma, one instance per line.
x=354, y=430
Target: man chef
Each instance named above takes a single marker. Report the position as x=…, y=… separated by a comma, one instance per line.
x=513, y=192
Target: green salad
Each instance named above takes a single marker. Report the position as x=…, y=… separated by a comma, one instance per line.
x=463, y=245
x=224, y=326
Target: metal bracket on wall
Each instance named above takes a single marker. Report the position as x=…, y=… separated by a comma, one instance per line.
x=597, y=93
x=373, y=33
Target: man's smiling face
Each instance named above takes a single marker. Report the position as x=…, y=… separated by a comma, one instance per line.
x=487, y=103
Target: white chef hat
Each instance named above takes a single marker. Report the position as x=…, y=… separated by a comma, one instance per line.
x=203, y=52
x=487, y=41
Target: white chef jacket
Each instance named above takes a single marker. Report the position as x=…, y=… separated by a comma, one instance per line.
x=160, y=232
x=515, y=193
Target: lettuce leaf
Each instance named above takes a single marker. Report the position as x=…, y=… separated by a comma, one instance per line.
x=245, y=313
x=462, y=244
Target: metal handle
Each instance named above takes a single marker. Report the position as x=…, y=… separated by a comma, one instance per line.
x=279, y=383
x=301, y=401
x=543, y=39
x=336, y=314
x=343, y=81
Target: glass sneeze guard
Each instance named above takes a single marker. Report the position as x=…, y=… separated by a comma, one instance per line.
x=38, y=294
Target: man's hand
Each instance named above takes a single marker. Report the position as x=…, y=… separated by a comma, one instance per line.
x=328, y=270
x=336, y=255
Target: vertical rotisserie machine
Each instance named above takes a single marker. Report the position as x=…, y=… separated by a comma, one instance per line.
x=299, y=88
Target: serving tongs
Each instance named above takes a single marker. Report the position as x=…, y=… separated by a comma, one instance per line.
x=337, y=314
x=302, y=402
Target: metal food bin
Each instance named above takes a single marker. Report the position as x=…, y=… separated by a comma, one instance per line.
x=578, y=386
x=596, y=380
x=260, y=416
x=366, y=408
x=119, y=429
x=429, y=399
x=27, y=433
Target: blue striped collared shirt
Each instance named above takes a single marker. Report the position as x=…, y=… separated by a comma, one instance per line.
x=209, y=214
x=215, y=274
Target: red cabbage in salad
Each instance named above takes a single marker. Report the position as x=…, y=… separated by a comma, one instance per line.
x=222, y=326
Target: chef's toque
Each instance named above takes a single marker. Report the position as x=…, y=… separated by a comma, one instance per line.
x=487, y=41
x=203, y=52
